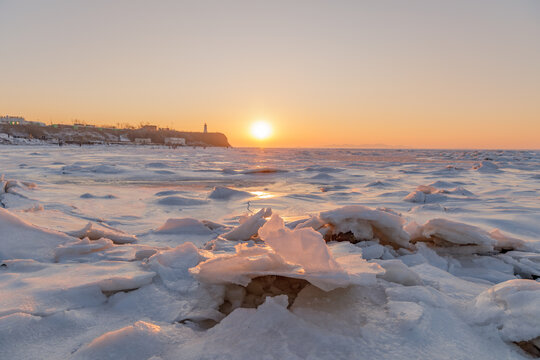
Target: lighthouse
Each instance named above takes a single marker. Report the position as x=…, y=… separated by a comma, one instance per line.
x=205, y=128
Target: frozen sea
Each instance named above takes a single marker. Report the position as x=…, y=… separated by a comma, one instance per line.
x=128, y=252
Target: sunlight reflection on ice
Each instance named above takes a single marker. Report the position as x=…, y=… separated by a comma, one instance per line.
x=263, y=194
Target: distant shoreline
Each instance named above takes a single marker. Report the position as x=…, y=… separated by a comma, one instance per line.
x=21, y=134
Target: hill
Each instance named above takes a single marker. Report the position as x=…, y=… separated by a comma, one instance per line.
x=80, y=134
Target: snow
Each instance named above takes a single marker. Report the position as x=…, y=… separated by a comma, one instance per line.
x=94, y=232
x=44, y=289
x=179, y=201
x=457, y=237
x=396, y=271
x=162, y=258
x=299, y=253
x=367, y=224
x=22, y=240
x=185, y=225
x=511, y=243
x=81, y=247
x=511, y=307
x=304, y=247
x=429, y=194
x=486, y=167
x=249, y=225
x=225, y=193
x=138, y=341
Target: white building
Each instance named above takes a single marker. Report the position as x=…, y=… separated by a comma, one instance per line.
x=18, y=120
x=175, y=141
x=12, y=120
x=143, y=141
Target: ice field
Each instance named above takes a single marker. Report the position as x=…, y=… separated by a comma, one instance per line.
x=124, y=252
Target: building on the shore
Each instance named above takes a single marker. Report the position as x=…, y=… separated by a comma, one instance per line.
x=18, y=120
x=175, y=141
x=143, y=141
x=205, y=128
x=12, y=120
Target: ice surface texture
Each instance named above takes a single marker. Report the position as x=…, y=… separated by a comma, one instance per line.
x=190, y=262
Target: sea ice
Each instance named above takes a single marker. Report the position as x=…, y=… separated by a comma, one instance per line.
x=299, y=253
x=486, y=167
x=94, y=231
x=188, y=288
x=458, y=238
x=225, y=193
x=249, y=225
x=366, y=224
x=138, y=341
x=513, y=307
x=183, y=226
x=42, y=290
x=179, y=201
x=22, y=240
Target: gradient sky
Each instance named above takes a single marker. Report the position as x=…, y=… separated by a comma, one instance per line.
x=435, y=74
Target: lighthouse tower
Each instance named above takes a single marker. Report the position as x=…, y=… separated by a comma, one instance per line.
x=205, y=128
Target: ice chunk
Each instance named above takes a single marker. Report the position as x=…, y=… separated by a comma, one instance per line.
x=374, y=251
x=506, y=242
x=225, y=193
x=182, y=256
x=426, y=194
x=430, y=194
x=396, y=271
x=423, y=198
x=452, y=286
x=526, y=264
x=183, y=226
x=22, y=240
x=172, y=266
x=513, y=307
x=81, y=247
x=455, y=237
x=94, y=231
x=249, y=225
x=367, y=224
x=460, y=190
x=245, y=264
x=305, y=247
x=138, y=341
x=56, y=287
x=487, y=167
x=300, y=254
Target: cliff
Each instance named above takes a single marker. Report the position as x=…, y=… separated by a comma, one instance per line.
x=93, y=135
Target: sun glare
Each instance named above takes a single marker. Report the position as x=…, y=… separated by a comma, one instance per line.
x=261, y=130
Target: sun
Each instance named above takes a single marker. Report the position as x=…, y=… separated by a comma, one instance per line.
x=261, y=130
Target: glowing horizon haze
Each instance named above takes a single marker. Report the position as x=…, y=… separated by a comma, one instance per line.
x=421, y=74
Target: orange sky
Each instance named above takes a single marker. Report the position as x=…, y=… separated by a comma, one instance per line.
x=422, y=74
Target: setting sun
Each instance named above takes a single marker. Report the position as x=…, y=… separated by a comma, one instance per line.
x=261, y=130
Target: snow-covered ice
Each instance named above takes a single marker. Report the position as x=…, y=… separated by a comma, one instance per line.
x=275, y=254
